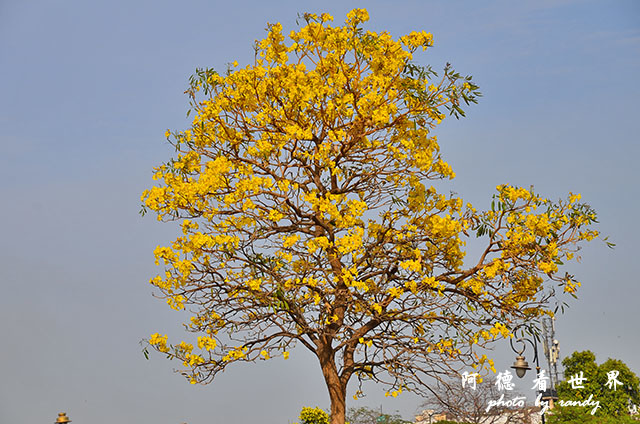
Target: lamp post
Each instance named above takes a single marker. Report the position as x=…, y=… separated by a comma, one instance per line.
x=522, y=366
x=62, y=418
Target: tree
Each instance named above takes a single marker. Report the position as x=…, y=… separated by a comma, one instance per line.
x=469, y=405
x=364, y=415
x=581, y=369
x=577, y=415
x=306, y=192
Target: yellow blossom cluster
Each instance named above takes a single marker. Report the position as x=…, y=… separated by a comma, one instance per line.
x=235, y=354
x=159, y=341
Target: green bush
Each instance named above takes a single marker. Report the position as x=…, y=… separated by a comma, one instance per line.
x=576, y=415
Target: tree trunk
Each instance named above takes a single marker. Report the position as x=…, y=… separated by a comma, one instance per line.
x=337, y=390
x=338, y=397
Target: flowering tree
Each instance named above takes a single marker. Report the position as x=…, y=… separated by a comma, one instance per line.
x=305, y=192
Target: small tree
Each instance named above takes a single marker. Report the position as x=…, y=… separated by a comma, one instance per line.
x=581, y=369
x=364, y=415
x=469, y=405
x=578, y=415
x=305, y=191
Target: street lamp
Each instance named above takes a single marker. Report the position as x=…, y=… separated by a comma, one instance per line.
x=522, y=366
x=62, y=418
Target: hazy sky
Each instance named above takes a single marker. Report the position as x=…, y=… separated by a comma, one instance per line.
x=87, y=90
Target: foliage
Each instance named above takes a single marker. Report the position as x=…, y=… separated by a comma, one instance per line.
x=577, y=415
x=305, y=189
x=313, y=416
x=452, y=422
x=364, y=415
x=612, y=402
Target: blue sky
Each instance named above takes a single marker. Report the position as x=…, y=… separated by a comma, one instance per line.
x=88, y=90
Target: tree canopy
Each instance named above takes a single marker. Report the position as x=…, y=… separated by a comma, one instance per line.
x=599, y=382
x=306, y=190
